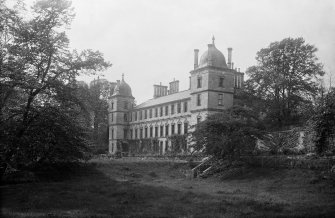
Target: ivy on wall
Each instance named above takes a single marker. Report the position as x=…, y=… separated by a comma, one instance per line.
x=143, y=146
x=178, y=144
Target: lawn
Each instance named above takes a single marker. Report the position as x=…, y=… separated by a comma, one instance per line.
x=142, y=188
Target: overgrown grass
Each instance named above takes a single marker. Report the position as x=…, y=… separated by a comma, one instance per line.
x=110, y=189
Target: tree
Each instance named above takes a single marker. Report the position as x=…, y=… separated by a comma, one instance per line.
x=228, y=134
x=324, y=123
x=38, y=80
x=286, y=77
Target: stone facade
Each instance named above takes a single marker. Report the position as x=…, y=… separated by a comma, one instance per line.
x=173, y=112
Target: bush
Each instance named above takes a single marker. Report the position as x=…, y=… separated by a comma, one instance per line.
x=55, y=136
x=228, y=134
x=324, y=123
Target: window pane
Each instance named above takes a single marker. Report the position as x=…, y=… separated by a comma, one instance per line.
x=198, y=100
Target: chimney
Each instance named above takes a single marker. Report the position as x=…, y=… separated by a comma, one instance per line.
x=160, y=90
x=196, y=53
x=230, y=50
x=174, y=86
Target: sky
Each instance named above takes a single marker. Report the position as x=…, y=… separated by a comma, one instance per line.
x=152, y=41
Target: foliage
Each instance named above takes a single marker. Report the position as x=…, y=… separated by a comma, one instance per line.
x=39, y=110
x=95, y=102
x=324, y=123
x=178, y=143
x=285, y=79
x=143, y=146
x=228, y=134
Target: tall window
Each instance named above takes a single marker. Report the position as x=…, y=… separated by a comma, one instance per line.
x=167, y=130
x=166, y=110
x=162, y=131
x=172, y=129
x=161, y=112
x=221, y=82
x=150, y=113
x=140, y=115
x=125, y=133
x=179, y=107
x=145, y=114
x=131, y=133
x=199, y=82
x=185, y=106
x=112, y=105
x=141, y=133
x=135, y=115
x=220, y=99
x=156, y=131
x=112, y=133
x=172, y=109
x=136, y=134
x=185, y=128
x=112, y=117
x=199, y=100
x=130, y=116
x=125, y=105
x=179, y=128
x=151, y=131
x=125, y=117
x=146, y=132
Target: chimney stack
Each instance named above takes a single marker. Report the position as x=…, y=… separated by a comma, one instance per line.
x=160, y=90
x=196, y=53
x=230, y=50
x=174, y=86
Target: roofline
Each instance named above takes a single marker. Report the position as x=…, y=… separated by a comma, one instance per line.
x=138, y=106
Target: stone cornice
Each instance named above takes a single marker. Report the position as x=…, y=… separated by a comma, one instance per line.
x=213, y=90
x=208, y=109
x=212, y=68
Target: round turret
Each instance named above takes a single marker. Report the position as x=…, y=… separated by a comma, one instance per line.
x=122, y=88
x=212, y=57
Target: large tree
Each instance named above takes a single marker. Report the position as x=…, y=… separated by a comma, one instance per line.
x=38, y=105
x=286, y=78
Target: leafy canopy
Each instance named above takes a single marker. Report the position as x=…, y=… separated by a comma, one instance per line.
x=285, y=78
x=38, y=82
x=228, y=134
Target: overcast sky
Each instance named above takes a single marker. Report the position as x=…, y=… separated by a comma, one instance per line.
x=152, y=41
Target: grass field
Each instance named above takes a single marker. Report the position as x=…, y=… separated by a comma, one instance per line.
x=130, y=188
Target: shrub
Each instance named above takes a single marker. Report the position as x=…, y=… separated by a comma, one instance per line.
x=228, y=134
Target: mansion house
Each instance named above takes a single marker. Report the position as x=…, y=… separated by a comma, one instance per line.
x=170, y=111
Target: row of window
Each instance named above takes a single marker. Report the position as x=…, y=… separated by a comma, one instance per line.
x=149, y=113
x=157, y=131
x=159, y=111
x=220, y=99
x=221, y=82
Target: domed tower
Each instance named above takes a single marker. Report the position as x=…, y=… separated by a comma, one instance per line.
x=121, y=102
x=211, y=84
